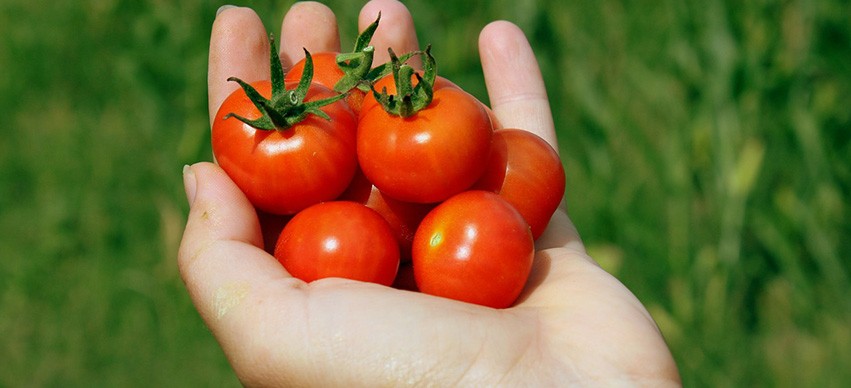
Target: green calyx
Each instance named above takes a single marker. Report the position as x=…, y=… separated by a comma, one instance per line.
x=409, y=98
x=356, y=65
x=286, y=107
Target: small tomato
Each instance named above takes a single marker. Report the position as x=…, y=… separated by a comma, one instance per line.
x=527, y=172
x=474, y=247
x=427, y=142
x=287, y=146
x=339, y=239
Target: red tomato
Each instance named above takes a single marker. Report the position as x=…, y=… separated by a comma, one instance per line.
x=474, y=247
x=437, y=152
x=339, y=239
x=327, y=73
x=403, y=217
x=527, y=172
x=285, y=170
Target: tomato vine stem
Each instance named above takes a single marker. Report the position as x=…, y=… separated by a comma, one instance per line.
x=357, y=64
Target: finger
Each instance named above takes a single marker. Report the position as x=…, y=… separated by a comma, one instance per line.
x=308, y=25
x=221, y=253
x=239, y=48
x=395, y=30
x=515, y=85
x=519, y=100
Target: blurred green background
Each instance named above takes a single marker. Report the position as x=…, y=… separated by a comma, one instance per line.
x=707, y=145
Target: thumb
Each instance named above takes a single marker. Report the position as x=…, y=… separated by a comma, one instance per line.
x=218, y=209
x=222, y=243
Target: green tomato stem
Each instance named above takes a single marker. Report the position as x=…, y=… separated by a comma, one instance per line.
x=286, y=107
x=409, y=99
x=357, y=64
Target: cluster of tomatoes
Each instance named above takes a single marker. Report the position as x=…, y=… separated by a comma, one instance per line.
x=375, y=166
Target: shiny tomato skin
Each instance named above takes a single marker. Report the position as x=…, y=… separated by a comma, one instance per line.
x=438, y=152
x=474, y=247
x=327, y=73
x=284, y=171
x=527, y=172
x=403, y=217
x=339, y=239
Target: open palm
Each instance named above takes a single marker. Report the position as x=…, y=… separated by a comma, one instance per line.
x=574, y=323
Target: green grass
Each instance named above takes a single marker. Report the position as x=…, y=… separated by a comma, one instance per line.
x=707, y=147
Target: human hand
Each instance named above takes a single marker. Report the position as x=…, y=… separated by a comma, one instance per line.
x=573, y=324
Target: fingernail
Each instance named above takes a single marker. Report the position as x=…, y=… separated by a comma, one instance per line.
x=223, y=8
x=189, y=183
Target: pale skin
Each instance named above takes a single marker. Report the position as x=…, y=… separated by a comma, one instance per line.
x=574, y=324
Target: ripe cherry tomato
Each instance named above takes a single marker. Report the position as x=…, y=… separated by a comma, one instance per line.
x=403, y=217
x=427, y=155
x=527, y=172
x=282, y=171
x=474, y=247
x=339, y=239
